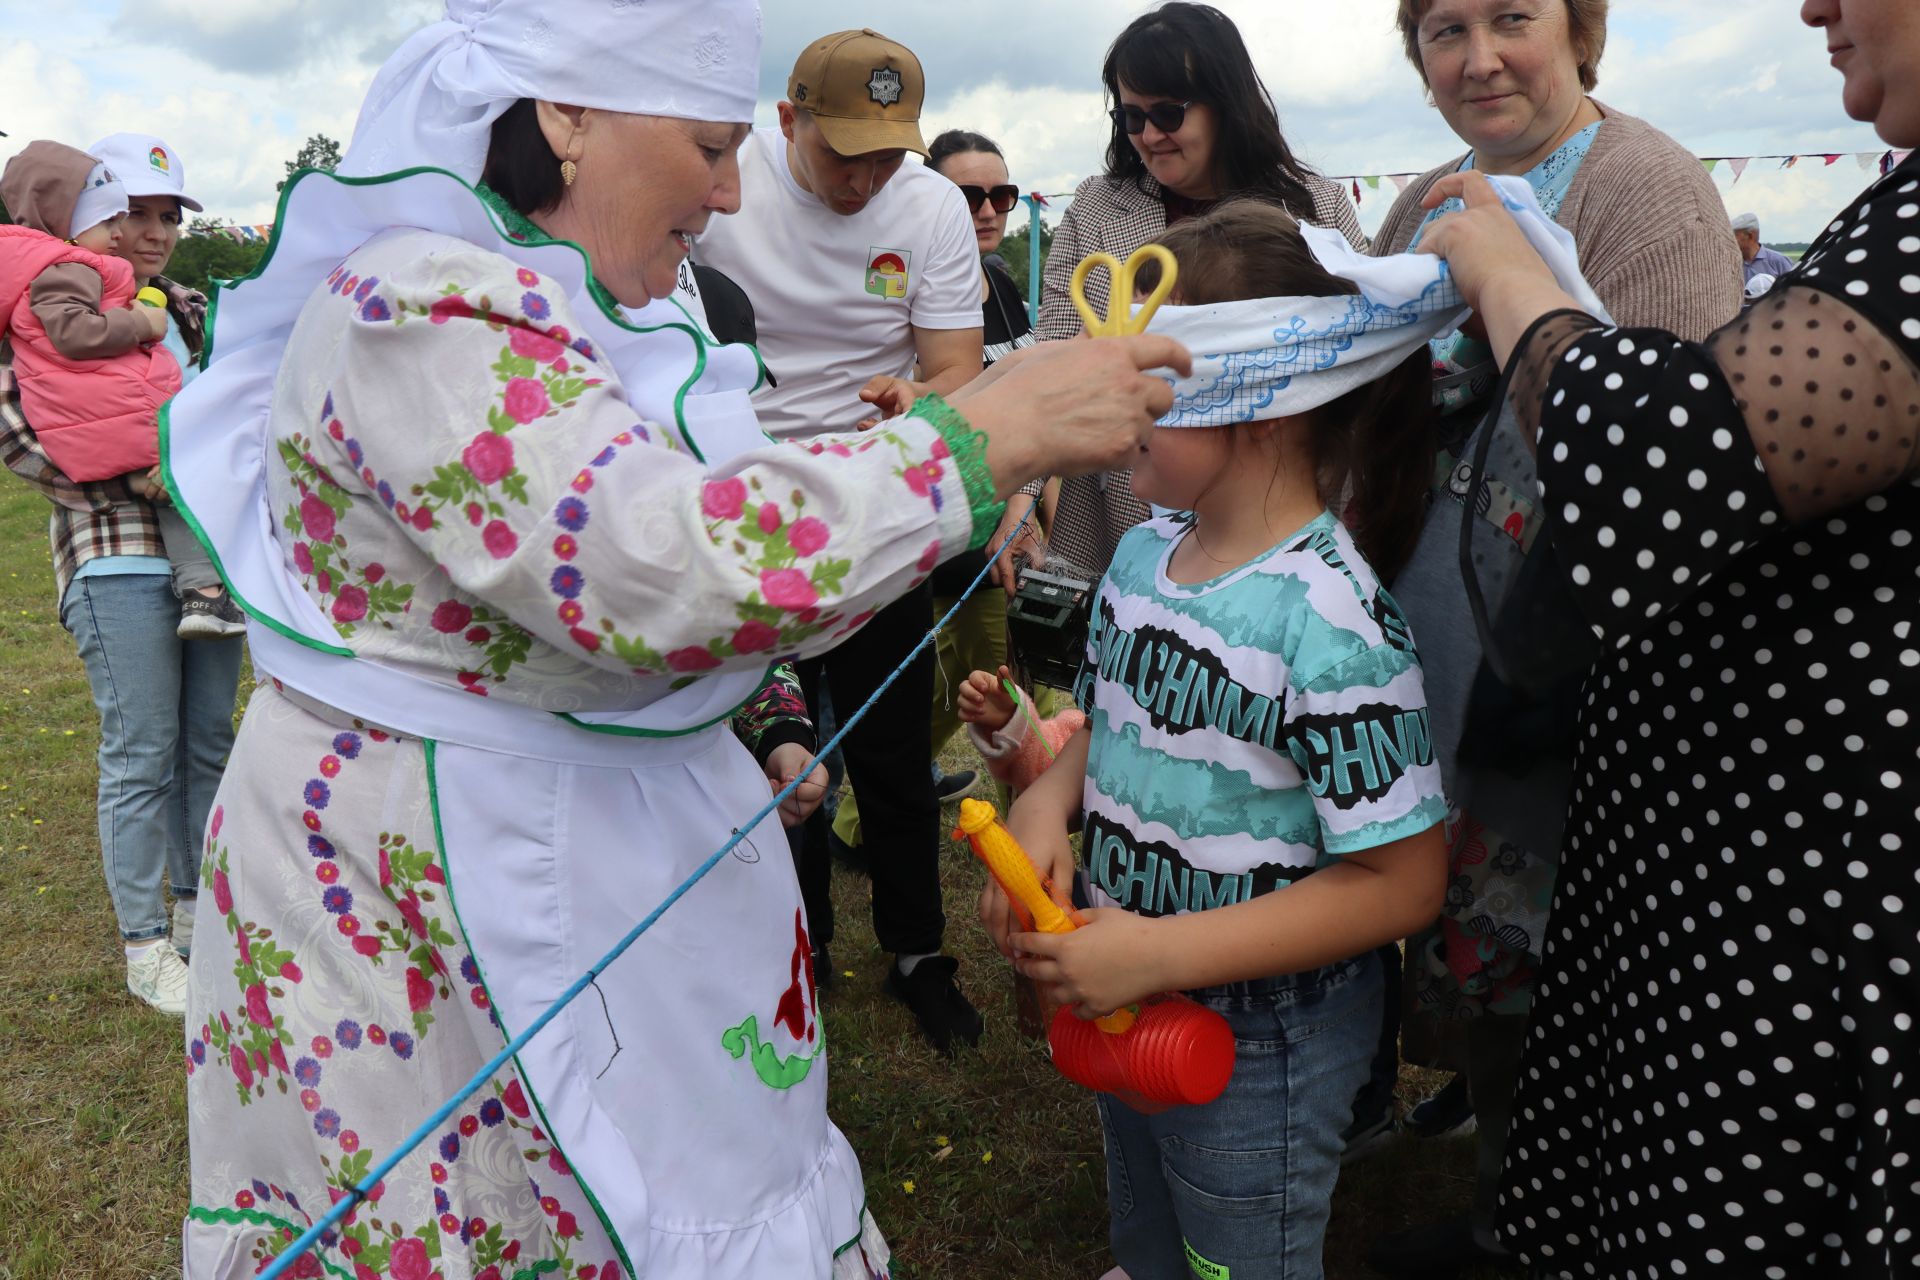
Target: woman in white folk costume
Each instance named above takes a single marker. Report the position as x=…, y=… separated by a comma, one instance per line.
x=513, y=548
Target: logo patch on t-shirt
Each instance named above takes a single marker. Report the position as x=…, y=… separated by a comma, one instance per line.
x=887, y=272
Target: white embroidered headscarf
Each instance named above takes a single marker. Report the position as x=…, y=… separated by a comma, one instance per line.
x=435, y=100
x=1275, y=357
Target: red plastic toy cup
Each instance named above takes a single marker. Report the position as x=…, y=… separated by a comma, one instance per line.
x=1177, y=1053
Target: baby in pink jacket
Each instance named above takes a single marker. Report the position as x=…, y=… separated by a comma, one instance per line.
x=92, y=372
x=1016, y=746
x=89, y=359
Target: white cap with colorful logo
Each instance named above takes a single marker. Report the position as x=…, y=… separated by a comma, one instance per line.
x=146, y=166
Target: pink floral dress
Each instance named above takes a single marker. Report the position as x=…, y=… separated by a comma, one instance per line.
x=469, y=514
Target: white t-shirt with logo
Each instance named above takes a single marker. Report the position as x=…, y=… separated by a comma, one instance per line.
x=835, y=296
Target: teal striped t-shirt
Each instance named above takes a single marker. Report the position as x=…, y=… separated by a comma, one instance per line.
x=1249, y=729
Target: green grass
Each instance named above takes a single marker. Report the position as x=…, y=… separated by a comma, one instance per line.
x=1002, y=1155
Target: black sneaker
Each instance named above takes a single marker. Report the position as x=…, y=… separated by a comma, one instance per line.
x=944, y=1013
x=1442, y=1248
x=204, y=617
x=1366, y=1135
x=1447, y=1114
x=952, y=786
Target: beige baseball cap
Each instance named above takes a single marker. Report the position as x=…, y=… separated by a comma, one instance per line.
x=863, y=90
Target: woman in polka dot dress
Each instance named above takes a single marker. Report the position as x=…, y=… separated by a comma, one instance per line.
x=1723, y=1074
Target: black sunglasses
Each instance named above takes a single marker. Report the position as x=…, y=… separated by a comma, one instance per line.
x=1004, y=197
x=1167, y=117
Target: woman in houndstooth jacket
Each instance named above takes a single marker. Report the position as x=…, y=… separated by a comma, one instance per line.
x=1192, y=126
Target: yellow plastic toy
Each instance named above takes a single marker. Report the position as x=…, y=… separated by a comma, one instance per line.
x=151, y=297
x=994, y=845
x=1121, y=318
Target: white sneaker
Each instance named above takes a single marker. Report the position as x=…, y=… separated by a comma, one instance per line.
x=159, y=977
x=183, y=927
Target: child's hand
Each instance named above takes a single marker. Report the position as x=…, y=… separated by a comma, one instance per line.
x=1045, y=843
x=892, y=396
x=156, y=318
x=1111, y=961
x=784, y=764
x=983, y=701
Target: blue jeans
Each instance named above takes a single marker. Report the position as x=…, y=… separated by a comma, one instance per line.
x=1242, y=1186
x=166, y=725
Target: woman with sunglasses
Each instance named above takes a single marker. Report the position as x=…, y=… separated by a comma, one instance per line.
x=977, y=638
x=975, y=164
x=1192, y=125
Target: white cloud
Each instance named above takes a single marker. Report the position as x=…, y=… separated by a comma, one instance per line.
x=237, y=85
x=230, y=142
x=257, y=37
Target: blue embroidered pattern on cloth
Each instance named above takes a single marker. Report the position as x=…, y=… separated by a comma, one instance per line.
x=1248, y=382
x=1274, y=357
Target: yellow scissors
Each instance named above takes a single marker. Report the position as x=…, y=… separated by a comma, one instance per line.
x=1121, y=318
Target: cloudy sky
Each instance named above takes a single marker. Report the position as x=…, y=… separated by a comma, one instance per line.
x=236, y=85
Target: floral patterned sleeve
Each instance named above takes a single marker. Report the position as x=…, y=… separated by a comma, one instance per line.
x=775, y=716
x=505, y=450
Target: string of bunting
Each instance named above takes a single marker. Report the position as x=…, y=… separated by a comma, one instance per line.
x=1884, y=161
x=253, y=233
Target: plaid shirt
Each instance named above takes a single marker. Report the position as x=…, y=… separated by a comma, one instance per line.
x=90, y=519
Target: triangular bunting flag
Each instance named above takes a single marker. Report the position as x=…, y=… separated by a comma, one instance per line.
x=1867, y=159
x=1400, y=180
x=1356, y=191
x=1711, y=162
x=1739, y=164
x=1830, y=158
x=1373, y=182
x=1789, y=162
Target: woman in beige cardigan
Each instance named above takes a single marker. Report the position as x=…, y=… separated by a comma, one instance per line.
x=1514, y=83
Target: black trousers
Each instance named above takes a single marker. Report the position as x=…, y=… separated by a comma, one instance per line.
x=889, y=758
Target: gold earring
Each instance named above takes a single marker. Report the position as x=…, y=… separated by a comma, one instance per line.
x=568, y=169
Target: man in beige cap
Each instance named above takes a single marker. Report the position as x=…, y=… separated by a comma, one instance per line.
x=854, y=259
x=865, y=283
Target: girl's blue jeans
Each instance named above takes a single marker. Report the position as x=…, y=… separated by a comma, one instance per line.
x=1239, y=1189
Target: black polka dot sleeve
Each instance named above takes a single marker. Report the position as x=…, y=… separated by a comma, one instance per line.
x=1661, y=461
x=1647, y=472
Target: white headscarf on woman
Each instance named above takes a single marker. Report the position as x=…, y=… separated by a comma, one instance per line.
x=435, y=100
x=416, y=154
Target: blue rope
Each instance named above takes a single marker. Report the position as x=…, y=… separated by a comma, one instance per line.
x=347, y=1203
